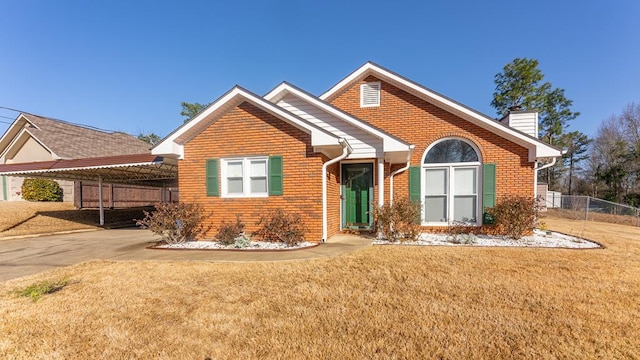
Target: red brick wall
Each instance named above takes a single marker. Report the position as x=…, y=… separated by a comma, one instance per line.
x=421, y=123
x=333, y=199
x=249, y=131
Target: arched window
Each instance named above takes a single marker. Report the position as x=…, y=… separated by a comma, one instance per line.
x=450, y=187
x=451, y=151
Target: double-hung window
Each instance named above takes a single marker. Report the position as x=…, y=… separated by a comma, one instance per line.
x=245, y=177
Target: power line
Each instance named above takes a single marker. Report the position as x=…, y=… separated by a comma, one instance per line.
x=52, y=118
x=11, y=109
x=6, y=117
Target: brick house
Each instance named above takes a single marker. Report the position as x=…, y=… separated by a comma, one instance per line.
x=373, y=136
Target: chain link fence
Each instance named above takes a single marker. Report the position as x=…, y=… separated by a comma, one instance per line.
x=590, y=208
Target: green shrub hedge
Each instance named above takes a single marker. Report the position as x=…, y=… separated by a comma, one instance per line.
x=41, y=190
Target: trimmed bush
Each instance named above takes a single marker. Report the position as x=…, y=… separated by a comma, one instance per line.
x=280, y=226
x=41, y=190
x=176, y=223
x=399, y=221
x=514, y=216
x=228, y=233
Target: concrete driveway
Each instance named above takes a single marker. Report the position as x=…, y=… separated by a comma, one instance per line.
x=26, y=256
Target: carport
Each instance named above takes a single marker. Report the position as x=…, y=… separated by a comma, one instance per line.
x=138, y=169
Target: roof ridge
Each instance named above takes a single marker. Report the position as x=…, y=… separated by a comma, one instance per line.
x=83, y=126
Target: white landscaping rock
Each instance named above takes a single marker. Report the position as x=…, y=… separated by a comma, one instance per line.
x=546, y=239
x=255, y=245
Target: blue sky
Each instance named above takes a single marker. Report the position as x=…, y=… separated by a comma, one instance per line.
x=127, y=65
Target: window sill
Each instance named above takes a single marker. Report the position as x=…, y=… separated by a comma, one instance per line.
x=444, y=224
x=252, y=196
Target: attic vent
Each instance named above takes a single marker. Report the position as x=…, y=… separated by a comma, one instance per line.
x=370, y=94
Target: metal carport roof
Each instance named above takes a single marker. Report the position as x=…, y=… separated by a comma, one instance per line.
x=139, y=169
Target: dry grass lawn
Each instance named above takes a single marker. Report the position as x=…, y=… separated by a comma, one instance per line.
x=27, y=218
x=382, y=302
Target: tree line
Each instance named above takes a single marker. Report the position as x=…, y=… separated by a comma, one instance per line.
x=606, y=166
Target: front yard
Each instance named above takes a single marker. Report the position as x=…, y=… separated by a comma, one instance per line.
x=381, y=302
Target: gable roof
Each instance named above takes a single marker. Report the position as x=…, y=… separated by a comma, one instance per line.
x=537, y=148
x=173, y=144
x=392, y=143
x=70, y=141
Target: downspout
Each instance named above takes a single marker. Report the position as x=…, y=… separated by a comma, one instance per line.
x=346, y=150
x=411, y=147
x=391, y=180
x=535, y=184
x=553, y=162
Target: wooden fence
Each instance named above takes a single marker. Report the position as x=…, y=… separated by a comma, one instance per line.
x=120, y=196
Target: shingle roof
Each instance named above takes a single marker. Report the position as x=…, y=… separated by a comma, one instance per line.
x=70, y=141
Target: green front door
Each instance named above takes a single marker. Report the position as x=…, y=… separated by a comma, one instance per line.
x=357, y=196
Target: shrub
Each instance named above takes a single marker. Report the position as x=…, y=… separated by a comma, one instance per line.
x=229, y=232
x=176, y=223
x=280, y=226
x=399, y=221
x=41, y=190
x=242, y=241
x=460, y=233
x=514, y=216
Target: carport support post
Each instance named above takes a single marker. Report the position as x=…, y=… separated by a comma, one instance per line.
x=100, y=205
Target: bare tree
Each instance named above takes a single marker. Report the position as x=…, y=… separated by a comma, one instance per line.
x=611, y=157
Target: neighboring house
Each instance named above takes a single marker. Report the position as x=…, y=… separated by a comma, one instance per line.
x=373, y=137
x=33, y=138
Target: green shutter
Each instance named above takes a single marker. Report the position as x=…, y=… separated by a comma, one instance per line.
x=275, y=175
x=4, y=187
x=488, y=190
x=212, y=178
x=414, y=183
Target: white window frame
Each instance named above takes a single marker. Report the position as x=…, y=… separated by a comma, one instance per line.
x=363, y=87
x=246, y=177
x=450, y=181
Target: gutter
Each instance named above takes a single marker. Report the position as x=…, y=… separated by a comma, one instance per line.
x=553, y=162
x=411, y=147
x=346, y=150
